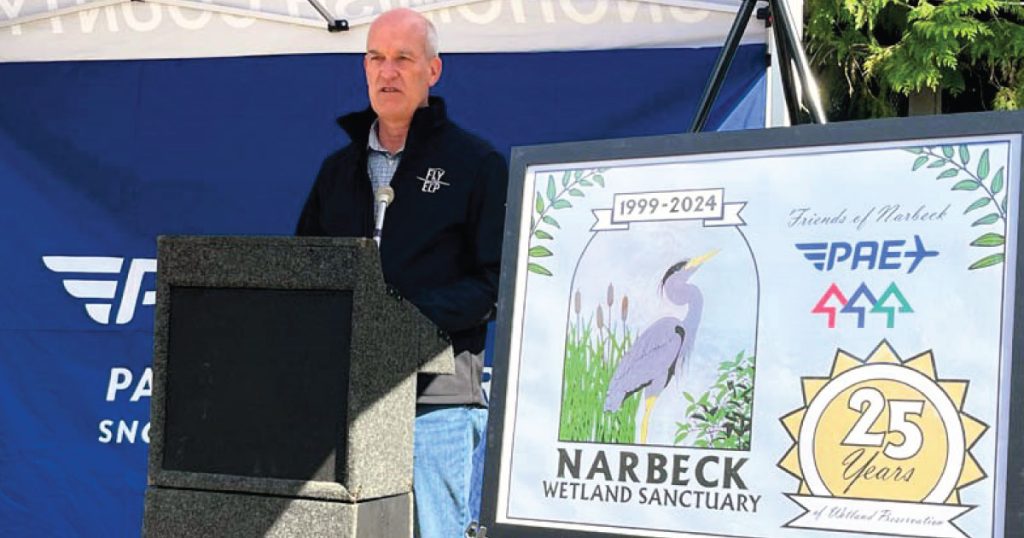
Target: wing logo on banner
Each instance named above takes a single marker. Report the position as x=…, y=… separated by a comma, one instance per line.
x=101, y=293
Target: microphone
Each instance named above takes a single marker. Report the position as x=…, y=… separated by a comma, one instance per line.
x=383, y=197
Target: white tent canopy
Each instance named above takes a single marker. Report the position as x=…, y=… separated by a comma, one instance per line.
x=49, y=30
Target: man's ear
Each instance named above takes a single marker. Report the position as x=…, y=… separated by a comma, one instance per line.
x=435, y=69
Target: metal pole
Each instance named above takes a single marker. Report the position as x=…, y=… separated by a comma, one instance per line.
x=721, y=68
x=790, y=94
x=785, y=26
x=333, y=25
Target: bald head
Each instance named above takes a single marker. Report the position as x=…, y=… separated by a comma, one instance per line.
x=411, y=20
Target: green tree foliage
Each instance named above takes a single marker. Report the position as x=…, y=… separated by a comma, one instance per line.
x=868, y=53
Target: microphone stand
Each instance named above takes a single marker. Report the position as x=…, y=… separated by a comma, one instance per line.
x=383, y=197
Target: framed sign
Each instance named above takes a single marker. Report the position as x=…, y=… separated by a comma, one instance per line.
x=801, y=332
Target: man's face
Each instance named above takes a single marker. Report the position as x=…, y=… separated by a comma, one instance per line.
x=399, y=72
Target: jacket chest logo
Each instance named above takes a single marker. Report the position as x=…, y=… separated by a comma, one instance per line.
x=432, y=182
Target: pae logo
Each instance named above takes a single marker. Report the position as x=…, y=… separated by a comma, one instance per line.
x=872, y=255
x=97, y=278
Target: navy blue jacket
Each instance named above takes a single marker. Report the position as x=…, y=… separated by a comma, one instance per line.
x=441, y=250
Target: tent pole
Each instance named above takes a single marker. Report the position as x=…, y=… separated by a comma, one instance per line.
x=721, y=68
x=333, y=25
x=784, y=25
x=789, y=85
x=789, y=49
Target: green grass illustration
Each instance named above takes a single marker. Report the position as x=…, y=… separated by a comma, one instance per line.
x=593, y=350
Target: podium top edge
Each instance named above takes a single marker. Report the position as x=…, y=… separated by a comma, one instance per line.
x=256, y=240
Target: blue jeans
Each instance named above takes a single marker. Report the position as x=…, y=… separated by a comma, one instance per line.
x=445, y=439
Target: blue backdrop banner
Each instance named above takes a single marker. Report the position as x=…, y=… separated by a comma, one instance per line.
x=98, y=158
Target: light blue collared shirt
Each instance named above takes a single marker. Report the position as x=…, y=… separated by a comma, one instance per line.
x=381, y=164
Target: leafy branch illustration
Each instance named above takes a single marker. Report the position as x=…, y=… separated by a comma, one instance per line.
x=955, y=161
x=721, y=416
x=543, y=223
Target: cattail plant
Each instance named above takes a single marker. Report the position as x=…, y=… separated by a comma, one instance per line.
x=576, y=306
x=593, y=350
x=610, y=299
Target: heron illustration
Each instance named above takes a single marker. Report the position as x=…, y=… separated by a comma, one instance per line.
x=651, y=361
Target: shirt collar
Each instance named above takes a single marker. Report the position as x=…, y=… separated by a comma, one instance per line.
x=373, y=142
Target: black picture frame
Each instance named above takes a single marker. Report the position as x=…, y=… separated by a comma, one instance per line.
x=806, y=136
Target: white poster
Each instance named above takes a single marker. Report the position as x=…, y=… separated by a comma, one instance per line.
x=774, y=343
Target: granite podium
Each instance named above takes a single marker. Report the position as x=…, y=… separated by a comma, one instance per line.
x=284, y=390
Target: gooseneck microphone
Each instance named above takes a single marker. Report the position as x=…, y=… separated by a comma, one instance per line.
x=383, y=197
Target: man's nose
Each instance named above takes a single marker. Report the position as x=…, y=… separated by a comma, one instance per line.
x=389, y=68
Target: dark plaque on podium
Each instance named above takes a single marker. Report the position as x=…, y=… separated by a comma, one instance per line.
x=284, y=390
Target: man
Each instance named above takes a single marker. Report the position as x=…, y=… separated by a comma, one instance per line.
x=440, y=246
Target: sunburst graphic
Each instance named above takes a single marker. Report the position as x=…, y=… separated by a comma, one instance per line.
x=883, y=429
